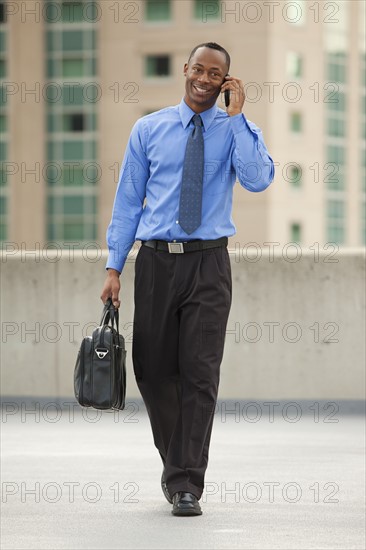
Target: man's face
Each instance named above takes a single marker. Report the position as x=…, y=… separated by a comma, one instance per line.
x=204, y=74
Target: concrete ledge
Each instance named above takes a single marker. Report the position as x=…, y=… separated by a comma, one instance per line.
x=248, y=410
x=296, y=328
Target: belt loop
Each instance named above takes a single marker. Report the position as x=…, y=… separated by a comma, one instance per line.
x=155, y=245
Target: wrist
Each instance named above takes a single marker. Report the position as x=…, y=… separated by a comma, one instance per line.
x=113, y=272
x=234, y=113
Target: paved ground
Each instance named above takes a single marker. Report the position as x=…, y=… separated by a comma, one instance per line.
x=70, y=483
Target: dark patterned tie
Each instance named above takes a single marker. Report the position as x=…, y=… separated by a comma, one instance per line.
x=190, y=204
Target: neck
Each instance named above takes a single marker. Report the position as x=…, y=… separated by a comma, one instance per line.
x=197, y=107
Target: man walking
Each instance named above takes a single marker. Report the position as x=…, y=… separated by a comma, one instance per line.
x=184, y=161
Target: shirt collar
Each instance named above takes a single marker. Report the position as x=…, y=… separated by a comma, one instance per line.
x=186, y=115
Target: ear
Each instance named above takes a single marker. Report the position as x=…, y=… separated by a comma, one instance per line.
x=185, y=69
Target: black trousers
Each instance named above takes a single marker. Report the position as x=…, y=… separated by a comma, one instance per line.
x=182, y=304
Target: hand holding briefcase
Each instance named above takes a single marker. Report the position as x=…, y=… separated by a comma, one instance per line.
x=100, y=370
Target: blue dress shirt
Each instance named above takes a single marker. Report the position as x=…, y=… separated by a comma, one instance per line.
x=152, y=170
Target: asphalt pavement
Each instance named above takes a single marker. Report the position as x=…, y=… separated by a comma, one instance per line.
x=79, y=479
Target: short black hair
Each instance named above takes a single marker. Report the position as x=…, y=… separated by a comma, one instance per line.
x=213, y=46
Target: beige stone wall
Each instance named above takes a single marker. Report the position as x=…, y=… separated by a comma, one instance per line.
x=287, y=205
x=296, y=328
x=26, y=115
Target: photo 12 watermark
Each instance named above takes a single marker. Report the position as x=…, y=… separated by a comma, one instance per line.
x=52, y=412
x=75, y=92
x=128, y=12
x=271, y=412
x=271, y=492
x=71, y=492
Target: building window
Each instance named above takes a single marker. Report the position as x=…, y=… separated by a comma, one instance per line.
x=294, y=65
x=295, y=176
x=157, y=10
x=4, y=189
x=336, y=127
x=335, y=209
x=335, y=234
x=72, y=41
x=337, y=101
x=157, y=65
x=336, y=221
x=336, y=153
x=336, y=67
x=335, y=169
x=295, y=233
x=336, y=43
x=335, y=178
x=2, y=13
x=3, y=38
x=206, y=10
x=3, y=212
x=296, y=122
x=72, y=12
x=3, y=124
x=72, y=123
x=59, y=11
x=73, y=67
x=71, y=53
x=3, y=186
x=363, y=169
x=3, y=152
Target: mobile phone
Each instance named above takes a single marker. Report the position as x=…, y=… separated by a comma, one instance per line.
x=227, y=96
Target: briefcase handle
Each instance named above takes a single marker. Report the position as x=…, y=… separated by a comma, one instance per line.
x=110, y=313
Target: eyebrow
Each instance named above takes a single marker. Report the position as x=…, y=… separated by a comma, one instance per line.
x=211, y=68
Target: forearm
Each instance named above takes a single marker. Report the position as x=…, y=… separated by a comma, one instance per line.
x=121, y=234
x=252, y=162
x=128, y=202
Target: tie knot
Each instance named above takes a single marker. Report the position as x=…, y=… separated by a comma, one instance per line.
x=197, y=120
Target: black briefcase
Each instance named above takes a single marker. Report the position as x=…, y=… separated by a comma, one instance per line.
x=100, y=370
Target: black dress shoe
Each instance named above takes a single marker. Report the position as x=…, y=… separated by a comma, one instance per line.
x=185, y=504
x=165, y=489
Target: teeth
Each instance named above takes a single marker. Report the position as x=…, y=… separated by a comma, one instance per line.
x=200, y=89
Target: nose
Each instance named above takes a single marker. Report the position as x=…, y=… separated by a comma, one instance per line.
x=203, y=78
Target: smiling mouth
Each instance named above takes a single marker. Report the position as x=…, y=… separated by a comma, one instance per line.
x=200, y=89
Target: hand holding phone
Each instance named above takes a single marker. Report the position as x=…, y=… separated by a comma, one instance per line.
x=227, y=96
x=234, y=94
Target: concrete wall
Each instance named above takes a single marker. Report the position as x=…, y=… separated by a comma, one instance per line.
x=296, y=328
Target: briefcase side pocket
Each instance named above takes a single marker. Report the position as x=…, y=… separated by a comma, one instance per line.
x=81, y=373
x=120, y=375
x=77, y=375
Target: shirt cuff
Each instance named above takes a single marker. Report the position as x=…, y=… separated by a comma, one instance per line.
x=240, y=124
x=115, y=263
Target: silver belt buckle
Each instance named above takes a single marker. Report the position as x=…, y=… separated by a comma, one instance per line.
x=176, y=248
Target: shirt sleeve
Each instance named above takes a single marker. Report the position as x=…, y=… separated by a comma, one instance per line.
x=129, y=199
x=251, y=161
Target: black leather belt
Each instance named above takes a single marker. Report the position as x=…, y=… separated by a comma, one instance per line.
x=189, y=246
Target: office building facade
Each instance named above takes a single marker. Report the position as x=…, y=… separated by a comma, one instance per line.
x=76, y=75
